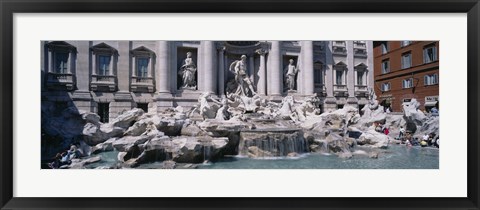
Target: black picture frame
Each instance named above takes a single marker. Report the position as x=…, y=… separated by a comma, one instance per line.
x=10, y=7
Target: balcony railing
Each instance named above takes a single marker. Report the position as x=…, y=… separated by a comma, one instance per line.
x=360, y=53
x=361, y=90
x=359, y=45
x=60, y=80
x=339, y=44
x=103, y=78
x=142, y=84
x=320, y=88
x=339, y=50
x=103, y=81
x=340, y=90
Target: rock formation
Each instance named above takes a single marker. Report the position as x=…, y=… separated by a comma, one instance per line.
x=234, y=125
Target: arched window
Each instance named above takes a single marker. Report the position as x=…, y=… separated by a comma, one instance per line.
x=61, y=65
x=103, y=67
x=143, y=69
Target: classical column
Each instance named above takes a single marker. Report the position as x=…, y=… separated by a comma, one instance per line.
x=112, y=58
x=351, y=73
x=163, y=81
x=221, y=71
x=308, y=83
x=369, y=75
x=261, y=85
x=94, y=63
x=150, y=65
x=134, y=69
x=329, y=72
x=274, y=73
x=251, y=67
x=69, y=61
x=121, y=61
x=210, y=73
x=50, y=61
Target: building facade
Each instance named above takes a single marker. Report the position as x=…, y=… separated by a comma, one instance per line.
x=108, y=77
x=407, y=69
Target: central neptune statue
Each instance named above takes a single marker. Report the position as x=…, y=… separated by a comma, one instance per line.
x=242, y=80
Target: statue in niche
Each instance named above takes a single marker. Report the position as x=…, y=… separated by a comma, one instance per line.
x=242, y=81
x=290, y=73
x=187, y=72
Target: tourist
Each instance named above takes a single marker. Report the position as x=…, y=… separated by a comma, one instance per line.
x=415, y=142
x=378, y=127
x=408, y=142
x=423, y=143
x=401, y=133
x=437, y=142
x=434, y=111
x=386, y=131
x=425, y=138
x=431, y=139
x=56, y=161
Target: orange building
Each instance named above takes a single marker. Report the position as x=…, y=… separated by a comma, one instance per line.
x=404, y=70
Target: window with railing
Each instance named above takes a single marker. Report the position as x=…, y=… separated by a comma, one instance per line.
x=359, y=44
x=142, y=79
x=339, y=48
x=104, y=58
x=60, y=65
x=339, y=43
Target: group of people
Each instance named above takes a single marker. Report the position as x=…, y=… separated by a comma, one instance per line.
x=427, y=140
x=65, y=158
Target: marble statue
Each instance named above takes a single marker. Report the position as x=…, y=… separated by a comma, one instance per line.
x=286, y=110
x=242, y=80
x=205, y=110
x=222, y=112
x=372, y=98
x=290, y=73
x=187, y=72
x=307, y=108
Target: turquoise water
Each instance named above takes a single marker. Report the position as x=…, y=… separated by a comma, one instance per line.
x=395, y=157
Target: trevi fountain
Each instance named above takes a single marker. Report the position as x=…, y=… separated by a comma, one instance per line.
x=240, y=130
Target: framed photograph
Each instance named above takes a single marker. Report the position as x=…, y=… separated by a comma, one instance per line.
x=239, y=105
